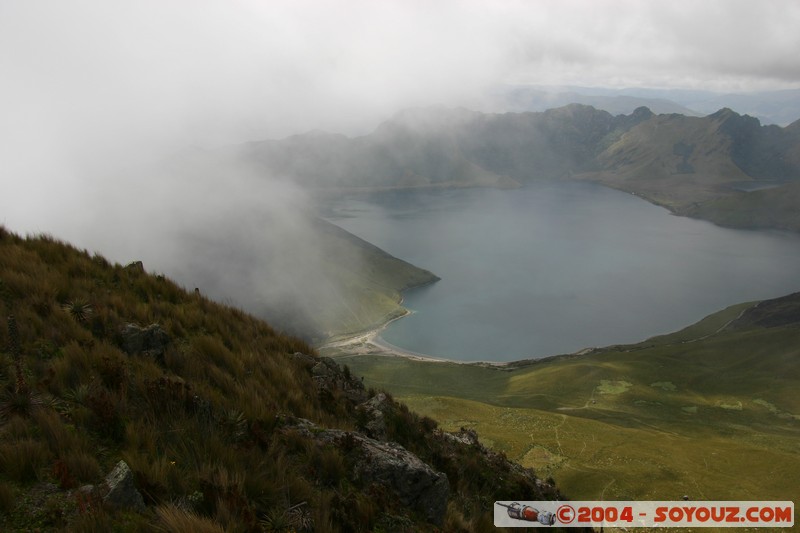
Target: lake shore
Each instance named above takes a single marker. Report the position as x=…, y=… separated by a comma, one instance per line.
x=369, y=343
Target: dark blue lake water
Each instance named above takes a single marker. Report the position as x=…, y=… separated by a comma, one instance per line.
x=554, y=268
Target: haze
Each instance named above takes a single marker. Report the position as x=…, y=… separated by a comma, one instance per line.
x=95, y=96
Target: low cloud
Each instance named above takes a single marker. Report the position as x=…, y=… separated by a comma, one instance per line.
x=99, y=96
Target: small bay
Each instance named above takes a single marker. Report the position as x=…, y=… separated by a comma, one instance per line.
x=553, y=268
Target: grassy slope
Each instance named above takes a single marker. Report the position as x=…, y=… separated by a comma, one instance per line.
x=713, y=414
x=369, y=278
x=205, y=426
x=777, y=208
x=645, y=160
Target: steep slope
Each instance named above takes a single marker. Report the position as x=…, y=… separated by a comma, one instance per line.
x=708, y=411
x=369, y=280
x=695, y=166
x=214, y=420
x=773, y=208
x=303, y=274
x=672, y=160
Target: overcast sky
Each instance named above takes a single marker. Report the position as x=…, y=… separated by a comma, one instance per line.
x=89, y=89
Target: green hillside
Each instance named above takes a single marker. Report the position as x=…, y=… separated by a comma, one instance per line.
x=711, y=411
x=366, y=281
x=774, y=208
x=128, y=404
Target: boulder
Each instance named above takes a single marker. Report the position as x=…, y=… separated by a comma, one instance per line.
x=375, y=411
x=136, y=267
x=151, y=340
x=414, y=482
x=122, y=493
x=329, y=377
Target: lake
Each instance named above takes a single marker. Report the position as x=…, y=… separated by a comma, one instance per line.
x=556, y=267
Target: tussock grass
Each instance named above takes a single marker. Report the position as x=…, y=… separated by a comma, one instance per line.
x=175, y=520
x=22, y=460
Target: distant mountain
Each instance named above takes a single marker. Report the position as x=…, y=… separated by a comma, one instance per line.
x=770, y=107
x=444, y=148
x=670, y=159
x=681, y=162
x=527, y=98
x=780, y=107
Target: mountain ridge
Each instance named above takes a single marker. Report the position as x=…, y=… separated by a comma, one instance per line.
x=672, y=160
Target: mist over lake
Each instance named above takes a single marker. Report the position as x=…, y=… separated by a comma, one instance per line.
x=553, y=268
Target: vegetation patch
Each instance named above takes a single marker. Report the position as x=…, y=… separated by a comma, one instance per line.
x=613, y=386
x=731, y=406
x=664, y=385
x=645, y=444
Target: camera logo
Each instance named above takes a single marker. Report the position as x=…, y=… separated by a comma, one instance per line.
x=528, y=514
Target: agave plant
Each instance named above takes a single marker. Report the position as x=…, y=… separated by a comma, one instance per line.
x=78, y=309
x=295, y=518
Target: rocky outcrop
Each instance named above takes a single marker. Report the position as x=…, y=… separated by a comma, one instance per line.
x=331, y=379
x=388, y=464
x=403, y=470
x=117, y=492
x=416, y=484
x=122, y=493
x=135, y=267
x=374, y=413
x=151, y=340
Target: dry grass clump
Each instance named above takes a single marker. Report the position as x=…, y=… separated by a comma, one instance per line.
x=22, y=460
x=175, y=520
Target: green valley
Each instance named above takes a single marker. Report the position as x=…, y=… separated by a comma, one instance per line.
x=710, y=411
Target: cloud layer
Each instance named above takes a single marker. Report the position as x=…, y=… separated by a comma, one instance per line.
x=93, y=92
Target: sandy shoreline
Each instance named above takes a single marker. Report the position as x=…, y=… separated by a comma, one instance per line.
x=370, y=343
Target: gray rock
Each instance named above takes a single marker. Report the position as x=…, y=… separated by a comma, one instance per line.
x=329, y=377
x=151, y=340
x=414, y=482
x=376, y=409
x=122, y=493
x=135, y=267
